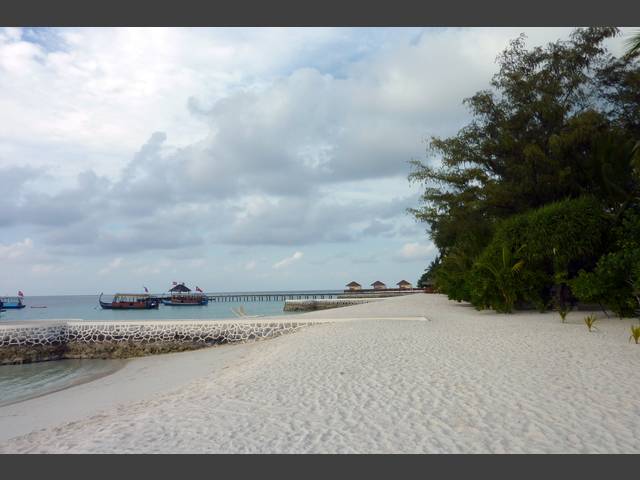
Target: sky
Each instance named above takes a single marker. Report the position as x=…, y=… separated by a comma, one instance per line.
x=235, y=159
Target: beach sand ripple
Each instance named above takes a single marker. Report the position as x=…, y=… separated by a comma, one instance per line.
x=459, y=381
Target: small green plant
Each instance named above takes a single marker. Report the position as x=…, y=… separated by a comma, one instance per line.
x=562, y=297
x=635, y=333
x=589, y=321
x=563, y=311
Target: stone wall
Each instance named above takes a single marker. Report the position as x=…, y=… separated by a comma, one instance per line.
x=310, y=305
x=78, y=339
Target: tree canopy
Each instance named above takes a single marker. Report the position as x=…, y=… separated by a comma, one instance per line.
x=558, y=122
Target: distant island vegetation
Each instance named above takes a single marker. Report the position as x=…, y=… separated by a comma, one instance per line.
x=536, y=202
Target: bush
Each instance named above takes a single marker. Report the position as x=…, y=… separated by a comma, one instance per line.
x=532, y=252
x=452, y=274
x=590, y=321
x=615, y=281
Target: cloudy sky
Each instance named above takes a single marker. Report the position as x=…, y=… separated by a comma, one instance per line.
x=232, y=159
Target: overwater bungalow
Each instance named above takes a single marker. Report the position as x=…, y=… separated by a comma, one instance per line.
x=404, y=285
x=353, y=286
x=378, y=285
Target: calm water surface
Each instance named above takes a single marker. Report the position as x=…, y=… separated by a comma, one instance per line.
x=22, y=382
x=86, y=307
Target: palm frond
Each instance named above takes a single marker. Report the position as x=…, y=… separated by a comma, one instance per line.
x=518, y=266
x=633, y=44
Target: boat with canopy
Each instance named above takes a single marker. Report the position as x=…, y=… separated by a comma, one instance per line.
x=12, y=302
x=182, y=296
x=130, y=301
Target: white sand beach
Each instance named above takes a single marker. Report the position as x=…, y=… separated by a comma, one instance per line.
x=415, y=374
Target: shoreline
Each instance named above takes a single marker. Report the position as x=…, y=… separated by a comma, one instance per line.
x=116, y=364
x=415, y=374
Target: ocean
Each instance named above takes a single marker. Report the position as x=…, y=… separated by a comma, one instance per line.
x=22, y=382
x=86, y=307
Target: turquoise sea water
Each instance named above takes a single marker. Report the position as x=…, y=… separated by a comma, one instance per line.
x=22, y=382
x=86, y=307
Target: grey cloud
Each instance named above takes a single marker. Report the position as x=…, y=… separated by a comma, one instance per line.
x=377, y=227
x=299, y=221
x=30, y=206
x=292, y=142
x=365, y=260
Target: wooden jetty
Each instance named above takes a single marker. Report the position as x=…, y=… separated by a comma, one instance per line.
x=261, y=297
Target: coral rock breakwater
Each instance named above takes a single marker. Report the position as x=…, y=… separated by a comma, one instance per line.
x=21, y=343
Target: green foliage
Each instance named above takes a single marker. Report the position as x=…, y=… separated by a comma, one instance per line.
x=615, y=281
x=427, y=278
x=498, y=280
x=550, y=160
x=589, y=321
x=559, y=235
x=635, y=333
x=451, y=276
x=633, y=44
x=563, y=311
x=531, y=255
x=532, y=139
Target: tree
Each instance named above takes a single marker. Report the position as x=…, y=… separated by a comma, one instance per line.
x=428, y=276
x=633, y=44
x=559, y=123
x=530, y=141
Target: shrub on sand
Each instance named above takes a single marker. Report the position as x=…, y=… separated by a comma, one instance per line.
x=635, y=333
x=589, y=321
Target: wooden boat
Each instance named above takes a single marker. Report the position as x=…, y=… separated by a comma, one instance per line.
x=186, y=299
x=12, y=302
x=130, y=301
x=182, y=296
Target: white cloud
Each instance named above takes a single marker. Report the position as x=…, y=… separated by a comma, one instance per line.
x=113, y=265
x=16, y=250
x=167, y=141
x=46, y=268
x=288, y=261
x=416, y=251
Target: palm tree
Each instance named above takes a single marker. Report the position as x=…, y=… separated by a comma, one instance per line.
x=633, y=44
x=503, y=272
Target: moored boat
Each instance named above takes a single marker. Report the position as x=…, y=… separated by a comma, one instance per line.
x=182, y=296
x=12, y=302
x=186, y=299
x=130, y=301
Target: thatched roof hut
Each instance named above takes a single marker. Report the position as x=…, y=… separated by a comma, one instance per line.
x=403, y=284
x=354, y=286
x=179, y=288
x=378, y=285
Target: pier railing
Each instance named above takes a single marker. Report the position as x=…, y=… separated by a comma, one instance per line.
x=260, y=297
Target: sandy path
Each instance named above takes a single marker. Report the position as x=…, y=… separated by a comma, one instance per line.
x=462, y=381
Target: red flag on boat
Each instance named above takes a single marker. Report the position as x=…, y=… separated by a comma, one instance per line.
x=145, y=289
x=20, y=294
x=198, y=290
